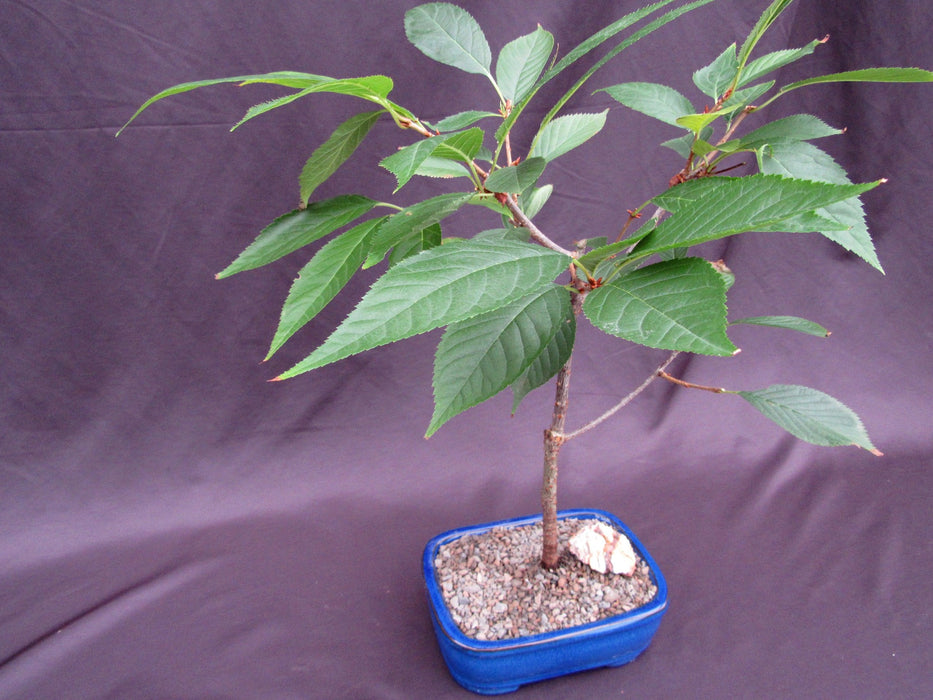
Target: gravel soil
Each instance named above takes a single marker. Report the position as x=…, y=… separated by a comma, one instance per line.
x=495, y=588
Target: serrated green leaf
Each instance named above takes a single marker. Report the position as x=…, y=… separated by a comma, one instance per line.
x=566, y=133
x=774, y=60
x=298, y=228
x=521, y=61
x=321, y=279
x=681, y=145
x=797, y=127
x=512, y=233
x=804, y=160
x=480, y=356
x=416, y=242
x=717, y=77
x=462, y=146
x=432, y=166
x=697, y=122
x=373, y=88
x=413, y=219
x=449, y=35
x=801, y=160
x=284, y=78
x=406, y=161
x=578, y=52
x=462, y=120
x=741, y=98
x=767, y=18
x=659, y=101
x=331, y=154
x=811, y=415
x=794, y=323
x=674, y=305
x=444, y=285
x=533, y=201
x=612, y=53
x=516, y=178
x=867, y=75
x=712, y=208
x=548, y=363
x=592, y=258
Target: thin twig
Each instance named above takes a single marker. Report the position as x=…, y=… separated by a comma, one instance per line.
x=624, y=402
x=690, y=385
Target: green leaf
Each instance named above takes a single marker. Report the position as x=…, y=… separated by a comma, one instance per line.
x=712, y=208
x=373, y=88
x=462, y=120
x=767, y=18
x=659, y=101
x=591, y=259
x=546, y=365
x=521, y=61
x=797, y=127
x=480, y=356
x=331, y=154
x=566, y=133
x=513, y=233
x=674, y=305
x=534, y=200
x=444, y=285
x=794, y=323
x=462, y=146
x=811, y=415
x=406, y=161
x=612, y=53
x=717, y=77
x=416, y=242
x=449, y=35
x=322, y=278
x=804, y=160
x=584, y=48
x=516, y=178
x=432, y=166
x=298, y=228
x=284, y=78
x=741, y=98
x=866, y=75
x=777, y=59
x=412, y=219
x=682, y=144
x=697, y=122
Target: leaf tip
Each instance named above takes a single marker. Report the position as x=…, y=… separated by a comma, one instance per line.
x=875, y=451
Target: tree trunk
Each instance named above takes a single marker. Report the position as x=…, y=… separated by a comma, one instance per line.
x=553, y=439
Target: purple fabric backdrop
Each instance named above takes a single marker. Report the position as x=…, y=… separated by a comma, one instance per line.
x=174, y=526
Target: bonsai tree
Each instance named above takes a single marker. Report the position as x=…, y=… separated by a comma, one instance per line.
x=510, y=296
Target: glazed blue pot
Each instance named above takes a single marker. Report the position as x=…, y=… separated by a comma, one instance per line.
x=494, y=667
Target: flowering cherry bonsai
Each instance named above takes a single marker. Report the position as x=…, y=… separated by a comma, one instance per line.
x=510, y=297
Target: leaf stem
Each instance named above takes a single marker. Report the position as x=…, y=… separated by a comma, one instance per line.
x=691, y=385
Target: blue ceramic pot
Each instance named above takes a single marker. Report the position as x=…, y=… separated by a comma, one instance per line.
x=494, y=667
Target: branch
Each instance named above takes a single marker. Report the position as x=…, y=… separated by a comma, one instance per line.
x=535, y=232
x=624, y=402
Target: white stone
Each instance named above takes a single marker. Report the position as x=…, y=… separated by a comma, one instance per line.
x=603, y=549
